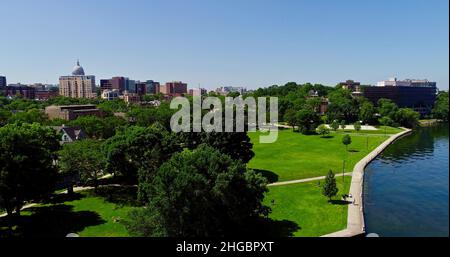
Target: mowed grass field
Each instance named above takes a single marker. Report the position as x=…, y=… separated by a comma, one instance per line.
x=304, y=205
x=86, y=213
x=297, y=156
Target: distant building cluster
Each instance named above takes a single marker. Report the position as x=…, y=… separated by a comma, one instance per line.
x=35, y=91
x=418, y=94
x=80, y=85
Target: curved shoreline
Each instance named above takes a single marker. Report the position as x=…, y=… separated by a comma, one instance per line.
x=355, y=217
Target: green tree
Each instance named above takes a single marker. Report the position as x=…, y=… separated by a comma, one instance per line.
x=329, y=188
x=346, y=140
x=386, y=121
x=146, y=116
x=342, y=106
x=334, y=125
x=4, y=116
x=110, y=125
x=91, y=125
x=200, y=193
x=357, y=126
x=387, y=108
x=29, y=116
x=99, y=128
x=342, y=124
x=407, y=117
x=323, y=130
x=308, y=120
x=135, y=153
x=367, y=112
x=237, y=145
x=110, y=107
x=291, y=118
x=27, y=152
x=82, y=161
x=440, y=110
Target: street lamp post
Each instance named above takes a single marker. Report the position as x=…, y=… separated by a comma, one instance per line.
x=343, y=171
x=367, y=142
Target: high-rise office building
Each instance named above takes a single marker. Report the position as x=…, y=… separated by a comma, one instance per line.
x=130, y=85
x=115, y=83
x=2, y=85
x=174, y=88
x=420, y=95
x=141, y=88
x=77, y=85
x=2, y=81
x=152, y=87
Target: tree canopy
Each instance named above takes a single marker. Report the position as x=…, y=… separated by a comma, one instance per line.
x=200, y=193
x=27, y=152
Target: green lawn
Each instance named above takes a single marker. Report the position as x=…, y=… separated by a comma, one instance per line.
x=305, y=205
x=297, y=156
x=88, y=214
x=381, y=130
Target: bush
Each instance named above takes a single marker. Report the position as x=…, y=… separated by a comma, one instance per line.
x=323, y=130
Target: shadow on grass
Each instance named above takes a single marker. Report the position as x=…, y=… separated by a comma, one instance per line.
x=269, y=175
x=122, y=196
x=327, y=137
x=339, y=202
x=353, y=151
x=50, y=221
x=266, y=227
x=61, y=198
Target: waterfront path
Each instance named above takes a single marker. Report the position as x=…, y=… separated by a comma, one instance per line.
x=355, y=217
x=306, y=180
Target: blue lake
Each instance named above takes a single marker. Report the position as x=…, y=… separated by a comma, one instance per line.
x=406, y=189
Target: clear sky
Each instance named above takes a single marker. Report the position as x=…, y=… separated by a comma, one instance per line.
x=252, y=43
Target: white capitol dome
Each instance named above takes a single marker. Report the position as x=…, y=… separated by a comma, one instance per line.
x=78, y=70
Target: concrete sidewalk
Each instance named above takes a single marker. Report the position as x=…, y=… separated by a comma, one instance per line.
x=306, y=180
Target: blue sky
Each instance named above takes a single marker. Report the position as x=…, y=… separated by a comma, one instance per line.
x=252, y=43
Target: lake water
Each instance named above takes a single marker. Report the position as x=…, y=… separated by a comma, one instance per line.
x=406, y=189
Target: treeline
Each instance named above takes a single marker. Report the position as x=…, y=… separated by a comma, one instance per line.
x=299, y=106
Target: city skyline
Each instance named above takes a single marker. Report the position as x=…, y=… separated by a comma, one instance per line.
x=251, y=44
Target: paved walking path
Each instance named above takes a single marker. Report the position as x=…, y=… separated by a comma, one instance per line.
x=355, y=218
x=306, y=180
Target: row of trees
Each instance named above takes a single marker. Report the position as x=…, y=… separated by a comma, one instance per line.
x=299, y=109
x=307, y=120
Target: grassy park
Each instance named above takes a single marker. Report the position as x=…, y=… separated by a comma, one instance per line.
x=304, y=204
x=297, y=209
x=297, y=156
